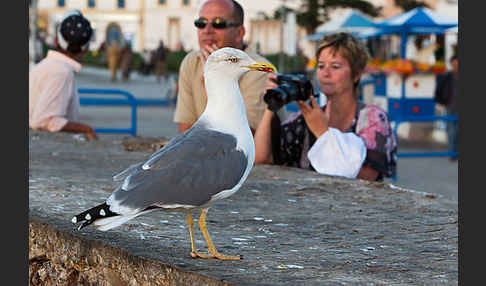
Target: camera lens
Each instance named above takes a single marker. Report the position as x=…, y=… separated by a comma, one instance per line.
x=290, y=92
x=290, y=88
x=275, y=98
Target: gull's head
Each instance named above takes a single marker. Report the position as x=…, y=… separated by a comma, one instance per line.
x=234, y=62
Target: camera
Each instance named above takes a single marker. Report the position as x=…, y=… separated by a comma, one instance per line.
x=291, y=87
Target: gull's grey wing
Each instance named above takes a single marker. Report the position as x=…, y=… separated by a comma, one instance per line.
x=188, y=172
x=135, y=167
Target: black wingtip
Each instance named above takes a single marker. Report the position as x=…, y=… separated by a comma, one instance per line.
x=91, y=215
x=85, y=224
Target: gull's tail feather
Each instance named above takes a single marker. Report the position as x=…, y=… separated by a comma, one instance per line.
x=104, y=219
x=112, y=222
x=100, y=212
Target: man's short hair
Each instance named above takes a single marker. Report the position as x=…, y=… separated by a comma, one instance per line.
x=238, y=13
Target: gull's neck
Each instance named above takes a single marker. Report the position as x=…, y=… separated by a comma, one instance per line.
x=226, y=112
x=222, y=104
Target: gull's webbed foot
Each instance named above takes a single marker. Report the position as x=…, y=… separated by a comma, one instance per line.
x=213, y=253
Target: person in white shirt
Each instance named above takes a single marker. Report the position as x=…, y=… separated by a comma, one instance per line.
x=345, y=137
x=53, y=98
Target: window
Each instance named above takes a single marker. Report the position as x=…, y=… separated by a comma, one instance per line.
x=61, y=3
x=91, y=3
x=121, y=3
x=186, y=2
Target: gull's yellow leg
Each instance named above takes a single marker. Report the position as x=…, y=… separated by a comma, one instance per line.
x=211, y=249
x=190, y=223
x=194, y=252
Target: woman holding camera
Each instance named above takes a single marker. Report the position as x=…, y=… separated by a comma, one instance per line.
x=345, y=137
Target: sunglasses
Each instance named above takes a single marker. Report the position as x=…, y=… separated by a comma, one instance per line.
x=217, y=23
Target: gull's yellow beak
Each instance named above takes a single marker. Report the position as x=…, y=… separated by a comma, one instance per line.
x=264, y=67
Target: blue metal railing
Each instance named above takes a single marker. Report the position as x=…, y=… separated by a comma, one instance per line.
x=129, y=100
x=155, y=102
x=424, y=118
x=102, y=101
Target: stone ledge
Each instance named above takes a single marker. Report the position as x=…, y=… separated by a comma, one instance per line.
x=292, y=226
x=57, y=257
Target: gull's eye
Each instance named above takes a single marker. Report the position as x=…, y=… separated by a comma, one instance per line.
x=233, y=59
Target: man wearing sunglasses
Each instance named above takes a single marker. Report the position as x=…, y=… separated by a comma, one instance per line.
x=220, y=24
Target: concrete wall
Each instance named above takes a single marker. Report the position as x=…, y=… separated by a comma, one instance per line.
x=292, y=226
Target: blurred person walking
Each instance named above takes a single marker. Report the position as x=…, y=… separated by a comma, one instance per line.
x=113, y=52
x=126, y=61
x=114, y=44
x=160, y=59
x=446, y=94
x=146, y=65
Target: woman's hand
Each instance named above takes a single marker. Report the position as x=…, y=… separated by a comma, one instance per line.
x=316, y=119
x=271, y=82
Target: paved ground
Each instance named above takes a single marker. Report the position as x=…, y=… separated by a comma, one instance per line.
x=434, y=175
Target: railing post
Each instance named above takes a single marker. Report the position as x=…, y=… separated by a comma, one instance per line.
x=131, y=101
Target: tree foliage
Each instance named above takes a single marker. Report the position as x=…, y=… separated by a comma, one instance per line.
x=407, y=5
x=361, y=5
x=315, y=12
x=309, y=16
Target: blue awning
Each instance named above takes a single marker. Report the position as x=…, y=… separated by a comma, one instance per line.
x=353, y=22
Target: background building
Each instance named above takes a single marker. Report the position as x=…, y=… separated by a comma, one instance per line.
x=146, y=22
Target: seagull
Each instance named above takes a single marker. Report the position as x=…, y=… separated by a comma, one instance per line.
x=208, y=162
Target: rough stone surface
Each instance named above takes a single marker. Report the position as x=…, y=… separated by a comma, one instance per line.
x=293, y=227
x=151, y=144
